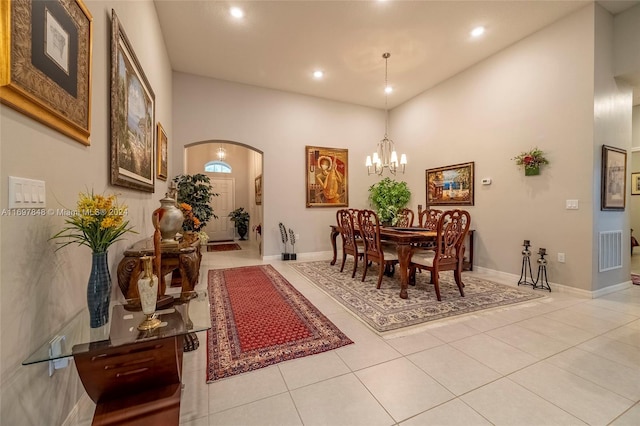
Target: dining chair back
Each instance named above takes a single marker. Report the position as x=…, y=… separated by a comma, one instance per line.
x=350, y=244
x=404, y=218
x=448, y=254
x=429, y=219
x=374, y=251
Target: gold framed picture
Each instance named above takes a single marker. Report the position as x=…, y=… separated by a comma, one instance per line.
x=162, y=153
x=327, y=177
x=132, y=116
x=450, y=185
x=614, y=178
x=259, y=190
x=635, y=183
x=45, y=59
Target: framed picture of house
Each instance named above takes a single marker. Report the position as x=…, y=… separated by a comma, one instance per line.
x=45, y=63
x=450, y=185
x=132, y=116
x=162, y=153
x=635, y=183
x=614, y=178
x=326, y=176
x=259, y=190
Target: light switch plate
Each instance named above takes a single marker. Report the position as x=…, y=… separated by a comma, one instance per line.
x=26, y=193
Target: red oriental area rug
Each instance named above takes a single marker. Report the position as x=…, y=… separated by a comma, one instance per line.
x=260, y=319
x=223, y=247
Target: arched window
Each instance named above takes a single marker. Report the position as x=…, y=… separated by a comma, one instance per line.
x=217, y=167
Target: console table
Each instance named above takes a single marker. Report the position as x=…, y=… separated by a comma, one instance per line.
x=133, y=376
x=184, y=258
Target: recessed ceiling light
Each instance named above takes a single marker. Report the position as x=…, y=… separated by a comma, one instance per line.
x=388, y=89
x=236, y=12
x=477, y=31
x=318, y=74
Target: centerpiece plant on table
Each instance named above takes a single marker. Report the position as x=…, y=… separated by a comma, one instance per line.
x=387, y=197
x=97, y=222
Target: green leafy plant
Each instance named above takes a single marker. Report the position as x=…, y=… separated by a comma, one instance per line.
x=241, y=219
x=196, y=191
x=532, y=159
x=387, y=197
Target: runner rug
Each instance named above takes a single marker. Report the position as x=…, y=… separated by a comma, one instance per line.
x=259, y=319
x=384, y=310
x=223, y=247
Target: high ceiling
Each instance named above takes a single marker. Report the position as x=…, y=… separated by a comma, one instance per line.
x=278, y=44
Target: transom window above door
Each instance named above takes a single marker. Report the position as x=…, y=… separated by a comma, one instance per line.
x=217, y=167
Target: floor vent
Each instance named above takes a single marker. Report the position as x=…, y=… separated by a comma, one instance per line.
x=610, y=250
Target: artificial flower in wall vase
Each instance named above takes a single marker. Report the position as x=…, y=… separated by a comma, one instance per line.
x=531, y=161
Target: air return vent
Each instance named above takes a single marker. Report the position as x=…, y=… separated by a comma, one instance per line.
x=610, y=250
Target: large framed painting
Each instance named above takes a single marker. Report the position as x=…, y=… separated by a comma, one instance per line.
x=162, y=153
x=132, y=116
x=614, y=178
x=45, y=63
x=327, y=177
x=450, y=185
x=259, y=190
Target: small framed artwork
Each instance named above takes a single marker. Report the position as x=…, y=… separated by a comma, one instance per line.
x=45, y=59
x=614, y=178
x=327, y=177
x=450, y=185
x=259, y=190
x=132, y=116
x=162, y=153
x=635, y=183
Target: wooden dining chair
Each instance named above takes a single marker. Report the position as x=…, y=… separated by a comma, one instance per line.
x=404, y=218
x=373, y=249
x=448, y=254
x=429, y=219
x=350, y=244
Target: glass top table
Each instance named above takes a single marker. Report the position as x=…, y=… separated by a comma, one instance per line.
x=187, y=313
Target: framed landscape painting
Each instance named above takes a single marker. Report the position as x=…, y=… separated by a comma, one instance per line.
x=45, y=63
x=450, y=185
x=327, y=177
x=614, y=178
x=132, y=116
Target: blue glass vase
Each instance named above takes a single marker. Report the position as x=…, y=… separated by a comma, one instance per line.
x=99, y=291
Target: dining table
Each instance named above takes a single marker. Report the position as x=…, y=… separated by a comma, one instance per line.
x=404, y=238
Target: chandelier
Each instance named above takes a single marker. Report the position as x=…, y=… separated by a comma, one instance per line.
x=222, y=153
x=385, y=155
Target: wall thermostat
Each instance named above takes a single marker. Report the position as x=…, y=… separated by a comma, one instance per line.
x=486, y=181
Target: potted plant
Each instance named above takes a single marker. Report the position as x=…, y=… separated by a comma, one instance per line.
x=387, y=197
x=531, y=160
x=241, y=220
x=196, y=192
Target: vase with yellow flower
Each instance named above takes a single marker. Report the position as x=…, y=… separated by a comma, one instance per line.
x=97, y=223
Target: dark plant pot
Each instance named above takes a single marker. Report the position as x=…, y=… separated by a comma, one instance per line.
x=242, y=231
x=531, y=171
x=286, y=256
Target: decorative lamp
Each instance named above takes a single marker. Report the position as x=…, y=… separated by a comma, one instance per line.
x=541, y=280
x=385, y=155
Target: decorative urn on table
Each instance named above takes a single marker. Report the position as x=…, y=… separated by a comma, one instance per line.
x=168, y=218
x=97, y=223
x=148, y=291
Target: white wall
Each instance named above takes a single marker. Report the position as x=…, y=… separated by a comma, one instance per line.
x=39, y=289
x=627, y=42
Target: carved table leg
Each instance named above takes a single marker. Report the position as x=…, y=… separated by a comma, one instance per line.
x=404, y=257
x=334, y=235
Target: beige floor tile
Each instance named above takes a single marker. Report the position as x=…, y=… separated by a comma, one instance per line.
x=194, y=402
x=528, y=341
x=584, y=399
x=493, y=353
x=196, y=360
x=582, y=321
x=414, y=343
x=278, y=410
x=312, y=369
x=630, y=418
x=452, y=413
x=557, y=330
x=402, y=388
x=342, y=400
x=454, y=369
x=628, y=334
x=367, y=353
x=609, y=374
x=504, y=402
x=245, y=388
x=202, y=421
x=452, y=330
x=614, y=350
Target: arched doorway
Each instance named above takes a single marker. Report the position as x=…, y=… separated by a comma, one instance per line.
x=234, y=170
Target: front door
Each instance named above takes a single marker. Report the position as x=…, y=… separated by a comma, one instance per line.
x=222, y=229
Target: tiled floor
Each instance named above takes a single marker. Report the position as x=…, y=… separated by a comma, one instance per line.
x=561, y=360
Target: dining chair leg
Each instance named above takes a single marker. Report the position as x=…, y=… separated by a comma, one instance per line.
x=380, y=273
x=366, y=266
x=355, y=266
x=458, y=276
x=344, y=259
x=434, y=280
